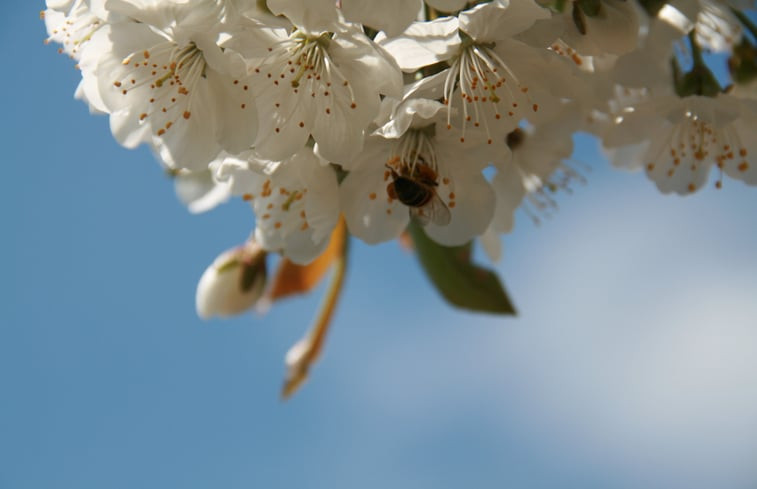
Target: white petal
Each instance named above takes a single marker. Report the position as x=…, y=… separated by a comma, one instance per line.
x=471, y=213
x=414, y=110
x=199, y=191
x=283, y=129
x=501, y=19
x=491, y=242
x=390, y=16
x=370, y=214
x=312, y=15
x=179, y=19
x=238, y=127
x=219, y=291
x=509, y=190
x=424, y=43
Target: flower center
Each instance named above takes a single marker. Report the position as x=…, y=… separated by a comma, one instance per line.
x=487, y=87
x=693, y=144
x=280, y=207
x=303, y=63
x=166, y=73
x=414, y=148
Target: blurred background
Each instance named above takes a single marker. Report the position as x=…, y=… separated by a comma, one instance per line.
x=633, y=362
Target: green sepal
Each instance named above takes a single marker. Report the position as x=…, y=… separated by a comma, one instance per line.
x=462, y=283
x=578, y=19
x=699, y=80
x=590, y=7
x=252, y=275
x=652, y=7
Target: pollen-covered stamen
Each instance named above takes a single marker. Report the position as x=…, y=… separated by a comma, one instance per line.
x=559, y=47
x=303, y=63
x=72, y=31
x=488, y=89
x=539, y=201
x=165, y=77
x=413, y=148
x=539, y=197
x=280, y=208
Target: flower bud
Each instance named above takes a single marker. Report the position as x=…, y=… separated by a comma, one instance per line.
x=233, y=283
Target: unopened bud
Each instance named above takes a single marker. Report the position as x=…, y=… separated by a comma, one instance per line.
x=233, y=283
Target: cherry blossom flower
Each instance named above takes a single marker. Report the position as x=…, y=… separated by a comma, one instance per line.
x=165, y=82
x=295, y=201
x=456, y=201
x=72, y=23
x=493, y=80
x=678, y=140
x=326, y=86
x=536, y=170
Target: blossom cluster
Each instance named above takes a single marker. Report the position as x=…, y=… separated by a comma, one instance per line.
x=446, y=113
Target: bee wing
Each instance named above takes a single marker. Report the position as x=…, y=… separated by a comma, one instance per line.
x=435, y=211
x=420, y=215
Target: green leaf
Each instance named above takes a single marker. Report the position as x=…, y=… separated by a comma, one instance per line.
x=460, y=281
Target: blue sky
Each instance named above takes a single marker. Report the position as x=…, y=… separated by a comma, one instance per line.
x=633, y=362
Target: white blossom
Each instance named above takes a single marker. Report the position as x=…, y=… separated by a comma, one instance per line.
x=493, y=80
x=295, y=201
x=537, y=168
x=72, y=23
x=459, y=200
x=678, y=140
x=325, y=86
x=170, y=85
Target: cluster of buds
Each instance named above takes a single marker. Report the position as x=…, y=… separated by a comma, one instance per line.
x=430, y=119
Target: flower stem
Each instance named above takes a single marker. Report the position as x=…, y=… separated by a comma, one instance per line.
x=307, y=351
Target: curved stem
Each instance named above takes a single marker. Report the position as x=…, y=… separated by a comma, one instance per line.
x=696, y=51
x=307, y=351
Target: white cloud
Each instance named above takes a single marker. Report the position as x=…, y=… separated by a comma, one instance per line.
x=636, y=351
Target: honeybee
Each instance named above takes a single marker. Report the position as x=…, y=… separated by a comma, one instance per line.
x=416, y=188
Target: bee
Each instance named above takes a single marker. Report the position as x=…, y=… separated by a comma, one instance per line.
x=416, y=188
